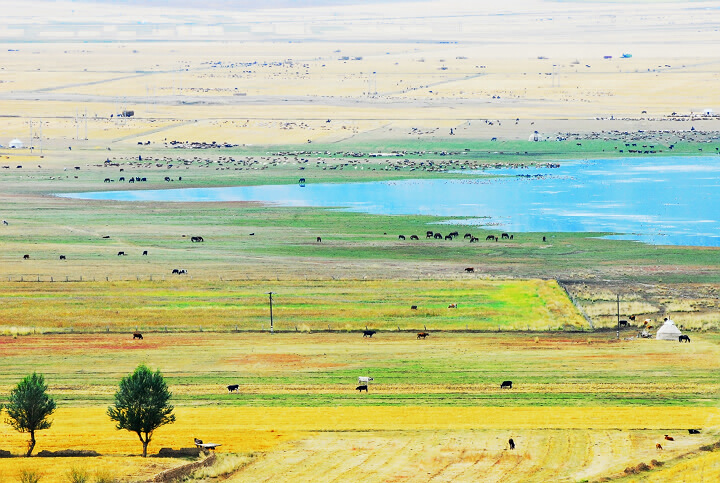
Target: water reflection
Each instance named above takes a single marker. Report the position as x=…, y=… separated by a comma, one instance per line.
x=669, y=200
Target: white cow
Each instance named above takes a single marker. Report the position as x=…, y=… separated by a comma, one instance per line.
x=364, y=380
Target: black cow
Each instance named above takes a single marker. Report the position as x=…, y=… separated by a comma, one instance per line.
x=429, y=234
x=137, y=335
x=511, y=443
x=401, y=237
x=506, y=385
x=414, y=237
x=175, y=270
x=26, y=257
x=684, y=338
x=361, y=388
x=544, y=239
x=438, y=236
x=623, y=323
x=413, y=307
x=62, y=257
x=470, y=269
x=694, y=431
x=196, y=239
x=369, y=333
x=505, y=236
x=144, y=252
x=319, y=240
x=121, y=254
x=474, y=239
x=233, y=388
x=448, y=237
x=301, y=180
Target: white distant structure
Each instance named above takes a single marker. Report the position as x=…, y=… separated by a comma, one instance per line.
x=707, y=112
x=668, y=331
x=534, y=136
x=16, y=144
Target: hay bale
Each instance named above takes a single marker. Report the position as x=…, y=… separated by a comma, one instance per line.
x=5, y=453
x=179, y=453
x=68, y=453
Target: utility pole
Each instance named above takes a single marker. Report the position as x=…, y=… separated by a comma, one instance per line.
x=272, y=331
x=618, y=316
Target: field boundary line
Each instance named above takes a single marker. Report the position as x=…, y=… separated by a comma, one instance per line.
x=576, y=304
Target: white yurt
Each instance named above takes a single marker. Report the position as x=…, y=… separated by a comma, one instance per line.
x=534, y=137
x=16, y=144
x=668, y=331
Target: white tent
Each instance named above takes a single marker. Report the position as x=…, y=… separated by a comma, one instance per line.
x=534, y=136
x=668, y=331
x=16, y=143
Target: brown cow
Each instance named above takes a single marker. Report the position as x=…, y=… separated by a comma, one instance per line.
x=452, y=306
x=422, y=335
x=658, y=446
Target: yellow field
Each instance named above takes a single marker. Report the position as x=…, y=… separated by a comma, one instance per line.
x=461, y=443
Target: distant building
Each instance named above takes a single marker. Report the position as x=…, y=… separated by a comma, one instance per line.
x=16, y=144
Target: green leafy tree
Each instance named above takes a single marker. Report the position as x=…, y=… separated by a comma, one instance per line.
x=141, y=404
x=29, y=407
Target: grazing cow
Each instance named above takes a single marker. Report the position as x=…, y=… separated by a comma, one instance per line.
x=182, y=270
x=121, y=178
x=684, y=338
x=401, y=237
x=301, y=181
x=121, y=254
x=233, y=388
x=470, y=269
x=5, y=222
x=26, y=257
x=167, y=178
x=448, y=237
x=364, y=380
x=107, y=180
x=694, y=431
x=413, y=307
x=429, y=234
x=544, y=239
x=369, y=333
x=511, y=236
x=669, y=438
x=196, y=239
x=438, y=236
x=62, y=257
x=658, y=446
x=144, y=252
x=490, y=237
x=106, y=236
x=505, y=236
x=361, y=388
x=506, y=385
x=422, y=335
x=623, y=323
x=414, y=237
x=137, y=335
x=175, y=270
x=511, y=443
x=319, y=239
x=452, y=306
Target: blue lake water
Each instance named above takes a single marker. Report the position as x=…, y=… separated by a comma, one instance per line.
x=667, y=201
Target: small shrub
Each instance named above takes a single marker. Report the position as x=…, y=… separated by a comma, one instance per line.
x=29, y=476
x=641, y=467
x=104, y=476
x=630, y=470
x=656, y=463
x=78, y=475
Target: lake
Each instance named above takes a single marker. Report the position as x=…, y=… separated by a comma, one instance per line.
x=667, y=201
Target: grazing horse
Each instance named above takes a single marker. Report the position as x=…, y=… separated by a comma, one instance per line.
x=470, y=269
x=468, y=235
x=474, y=239
x=401, y=237
x=361, y=388
x=438, y=236
x=196, y=239
x=684, y=338
x=454, y=233
x=232, y=388
x=422, y=335
x=511, y=443
x=62, y=257
x=137, y=335
x=545, y=239
x=505, y=236
x=658, y=446
x=319, y=239
x=506, y=385
x=452, y=306
x=413, y=307
x=369, y=333
x=414, y=237
x=26, y=257
x=144, y=252
x=490, y=237
x=448, y=237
